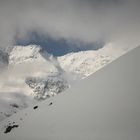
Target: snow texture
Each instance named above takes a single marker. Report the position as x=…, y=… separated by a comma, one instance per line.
x=32, y=75
x=104, y=106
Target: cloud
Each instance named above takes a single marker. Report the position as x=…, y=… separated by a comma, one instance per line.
x=85, y=20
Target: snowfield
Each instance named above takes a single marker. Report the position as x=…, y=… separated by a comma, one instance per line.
x=104, y=106
x=29, y=74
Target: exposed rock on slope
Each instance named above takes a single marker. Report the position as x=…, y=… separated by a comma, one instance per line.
x=4, y=59
x=50, y=86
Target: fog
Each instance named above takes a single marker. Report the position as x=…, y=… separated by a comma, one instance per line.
x=114, y=21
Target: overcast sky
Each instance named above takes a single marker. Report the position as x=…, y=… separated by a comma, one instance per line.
x=84, y=20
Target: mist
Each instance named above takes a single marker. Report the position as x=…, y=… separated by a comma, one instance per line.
x=88, y=21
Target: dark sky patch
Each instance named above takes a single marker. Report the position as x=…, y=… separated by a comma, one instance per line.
x=84, y=20
x=57, y=47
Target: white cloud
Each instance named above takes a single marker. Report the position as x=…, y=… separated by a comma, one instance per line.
x=90, y=20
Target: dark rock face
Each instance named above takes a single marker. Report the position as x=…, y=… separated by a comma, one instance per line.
x=10, y=127
x=35, y=107
x=50, y=103
x=14, y=105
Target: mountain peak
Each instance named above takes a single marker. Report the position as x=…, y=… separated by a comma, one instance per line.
x=28, y=53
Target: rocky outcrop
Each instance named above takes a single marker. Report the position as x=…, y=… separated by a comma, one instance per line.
x=44, y=88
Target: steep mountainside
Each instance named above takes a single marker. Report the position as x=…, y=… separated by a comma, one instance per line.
x=33, y=74
x=85, y=63
x=4, y=59
x=104, y=106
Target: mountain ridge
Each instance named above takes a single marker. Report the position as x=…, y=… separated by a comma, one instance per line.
x=104, y=106
x=34, y=75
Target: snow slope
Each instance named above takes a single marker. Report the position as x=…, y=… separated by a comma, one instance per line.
x=85, y=63
x=30, y=62
x=32, y=74
x=104, y=106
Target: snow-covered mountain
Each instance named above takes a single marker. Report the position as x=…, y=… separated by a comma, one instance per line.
x=85, y=63
x=104, y=106
x=33, y=75
x=42, y=71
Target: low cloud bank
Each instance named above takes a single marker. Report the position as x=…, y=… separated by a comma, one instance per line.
x=88, y=21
